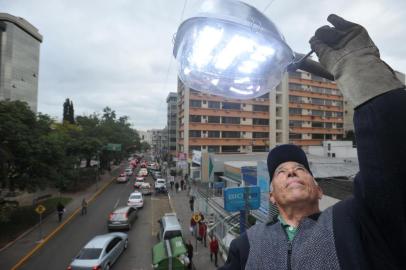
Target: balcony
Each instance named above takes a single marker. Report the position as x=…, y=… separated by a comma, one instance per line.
x=316, y=130
x=227, y=141
x=314, y=95
x=331, y=85
x=201, y=96
x=310, y=106
x=223, y=112
x=306, y=142
x=227, y=127
x=315, y=118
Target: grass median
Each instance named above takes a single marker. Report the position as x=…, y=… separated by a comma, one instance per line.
x=22, y=218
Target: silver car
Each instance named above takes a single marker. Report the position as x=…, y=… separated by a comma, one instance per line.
x=101, y=252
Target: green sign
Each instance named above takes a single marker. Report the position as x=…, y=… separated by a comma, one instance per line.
x=113, y=147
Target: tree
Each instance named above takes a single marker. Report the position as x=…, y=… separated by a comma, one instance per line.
x=68, y=112
x=145, y=146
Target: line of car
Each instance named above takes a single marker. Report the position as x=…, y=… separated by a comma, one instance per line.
x=102, y=251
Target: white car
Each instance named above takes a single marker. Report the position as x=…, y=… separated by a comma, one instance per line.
x=143, y=172
x=160, y=183
x=136, y=200
x=122, y=178
x=138, y=182
x=128, y=171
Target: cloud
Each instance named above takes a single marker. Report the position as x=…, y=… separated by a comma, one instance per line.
x=119, y=53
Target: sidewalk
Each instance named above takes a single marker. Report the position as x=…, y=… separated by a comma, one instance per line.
x=201, y=259
x=28, y=242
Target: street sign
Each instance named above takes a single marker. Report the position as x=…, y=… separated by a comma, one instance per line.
x=235, y=198
x=113, y=147
x=197, y=217
x=40, y=209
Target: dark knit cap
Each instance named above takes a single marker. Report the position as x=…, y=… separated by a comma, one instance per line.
x=284, y=153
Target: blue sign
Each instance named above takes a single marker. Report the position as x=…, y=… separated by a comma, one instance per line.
x=234, y=198
x=249, y=175
x=218, y=185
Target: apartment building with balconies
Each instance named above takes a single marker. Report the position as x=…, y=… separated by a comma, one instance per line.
x=223, y=125
x=316, y=110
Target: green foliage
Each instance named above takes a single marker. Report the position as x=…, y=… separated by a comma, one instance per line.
x=36, y=152
x=68, y=112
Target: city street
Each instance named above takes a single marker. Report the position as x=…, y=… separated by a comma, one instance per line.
x=59, y=251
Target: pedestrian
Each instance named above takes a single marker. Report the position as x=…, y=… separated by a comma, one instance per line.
x=84, y=206
x=201, y=216
x=214, y=249
x=182, y=184
x=203, y=233
x=367, y=230
x=60, y=208
x=192, y=203
x=193, y=225
x=189, y=248
x=171, y=182
x=176, y=187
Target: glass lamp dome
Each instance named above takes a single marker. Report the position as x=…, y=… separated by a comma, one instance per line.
x=231, y=49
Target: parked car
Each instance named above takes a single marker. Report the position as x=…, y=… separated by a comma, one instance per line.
x=156, y=174
x=101, y=252
x=138, y=182
x=129, y=171
x=146, y=189
x=169, y=227
x=136, y=200
x=122, y=178
x=122, y=218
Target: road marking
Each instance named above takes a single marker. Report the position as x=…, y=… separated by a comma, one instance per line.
x=118, y=201
x=23, y=260
x=170, y=204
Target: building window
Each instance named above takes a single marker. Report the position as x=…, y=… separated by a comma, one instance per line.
x=260, y=121
x=318, y=136
x=295, y=136
x=230, y=148
x=260, y=108
x=339, y=125
x=230, y=120
x=260, y=134
x=328, y=125
x=295, y=111
x=295, y=99
x=213, y=148
x=214, y=134
x=317, y=101
x=328, y=137
x=295, y=86
x=259, y=148
x=317, y=113
x=317, y=124
x=195, y=118
x=328, y=114
x=214, y=105
x=195, y=103
x=195, y=133
x=231, y=134
x=213, y=119
x=231, y=106
x=294, y=123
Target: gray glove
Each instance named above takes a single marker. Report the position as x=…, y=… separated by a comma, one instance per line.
x=347, y=52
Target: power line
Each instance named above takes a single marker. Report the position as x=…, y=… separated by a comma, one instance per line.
x=267, y=6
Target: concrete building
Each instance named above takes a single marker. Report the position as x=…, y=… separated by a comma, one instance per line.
x=315, y=110
x=145, y=136
x=159, y=142
x=19, y=60
x=172, y=102
x=223, y=125
x=304, y=109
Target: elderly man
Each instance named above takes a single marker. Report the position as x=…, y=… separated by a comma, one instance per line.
x=368, y=230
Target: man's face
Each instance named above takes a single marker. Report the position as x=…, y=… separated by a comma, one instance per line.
x=292, y=184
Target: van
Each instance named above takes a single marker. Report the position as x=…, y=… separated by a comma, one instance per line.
x=169, y=227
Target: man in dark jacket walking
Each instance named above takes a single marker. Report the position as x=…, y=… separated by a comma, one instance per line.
x=189, y=248
x=368, y=230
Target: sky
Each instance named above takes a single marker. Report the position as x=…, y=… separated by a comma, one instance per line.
x=118, y=53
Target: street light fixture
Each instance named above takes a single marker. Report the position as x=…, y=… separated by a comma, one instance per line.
x=231, y=49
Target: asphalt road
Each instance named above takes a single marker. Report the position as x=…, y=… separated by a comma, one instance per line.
x=59, y=251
